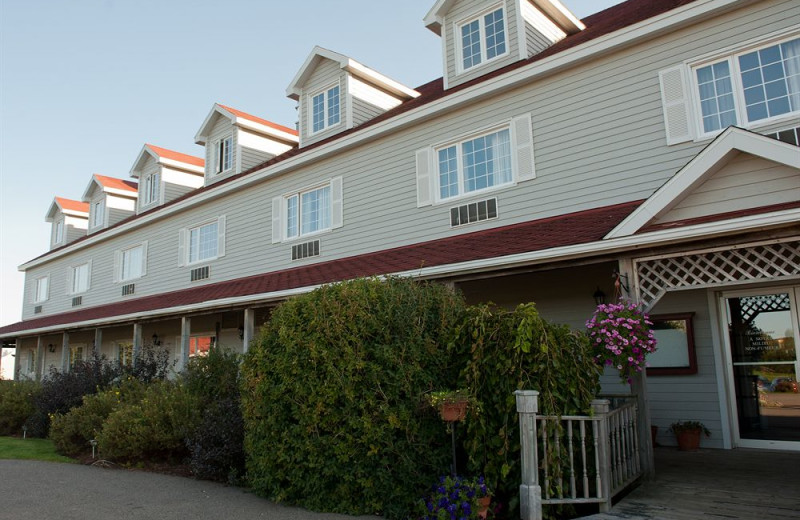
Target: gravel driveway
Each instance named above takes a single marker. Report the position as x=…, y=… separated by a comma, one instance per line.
x=43, y=490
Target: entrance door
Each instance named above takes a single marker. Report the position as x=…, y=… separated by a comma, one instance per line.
x=762, y=337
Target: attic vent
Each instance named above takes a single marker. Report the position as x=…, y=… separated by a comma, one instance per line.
x=300, y=251
x=76, y=301
x=791, y=136
x=37, y=309
x=473, y=212
x=200, y=273
x=128, y=289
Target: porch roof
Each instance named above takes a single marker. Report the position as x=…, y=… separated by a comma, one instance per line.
x=537, y=235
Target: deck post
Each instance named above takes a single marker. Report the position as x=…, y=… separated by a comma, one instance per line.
x=186, y=331
x=65, y=351
x=138, y=339
x=600, y=408
x=639, y=387
x=39, y=367
x=530, y=493
x=248, y=328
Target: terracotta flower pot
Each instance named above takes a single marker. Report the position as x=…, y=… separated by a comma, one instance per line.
x=453, y=411
x=688, y=440
x=484, y=502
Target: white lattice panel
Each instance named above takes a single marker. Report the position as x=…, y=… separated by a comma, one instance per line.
x=770, y=261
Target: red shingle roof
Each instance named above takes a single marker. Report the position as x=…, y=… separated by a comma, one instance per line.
x=245, y=115
x=117, y=184
x=72, y=205
x=563, y=230
x=176, y=156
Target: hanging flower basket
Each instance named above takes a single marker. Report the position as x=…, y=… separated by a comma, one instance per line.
x=452, y=404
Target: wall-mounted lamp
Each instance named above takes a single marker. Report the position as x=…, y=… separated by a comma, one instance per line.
x=51, y=348
x=599, y=297
x=241, y=331
x=618, y=281
x=156, y=341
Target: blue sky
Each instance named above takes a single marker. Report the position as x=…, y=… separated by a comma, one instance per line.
x=85, y=83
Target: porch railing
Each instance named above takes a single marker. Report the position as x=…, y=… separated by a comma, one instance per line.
x=576, y=459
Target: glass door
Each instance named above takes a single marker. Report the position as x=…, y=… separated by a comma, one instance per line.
x=762, y=336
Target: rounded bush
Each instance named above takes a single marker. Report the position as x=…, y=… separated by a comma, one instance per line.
x=16, y=404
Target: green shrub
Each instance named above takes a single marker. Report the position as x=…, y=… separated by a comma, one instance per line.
x=154, y=428
x=71, y=432
x=16, y=404
x=333, y=396
x=513, y=350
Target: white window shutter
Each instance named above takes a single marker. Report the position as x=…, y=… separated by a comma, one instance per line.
x=70, y=278
x=277, y=213
x=424, y=177
x=144, y=258
x=117, y=266
x=523, y=147
x=182, y=247
x=675, y=99
x=221, y=236
x=336, y=203
x=89, y=275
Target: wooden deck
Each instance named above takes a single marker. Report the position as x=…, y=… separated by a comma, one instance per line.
x=715, y=484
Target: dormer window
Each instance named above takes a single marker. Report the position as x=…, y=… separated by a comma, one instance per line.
x=482, y=39
x=58, y=232
x=98, y=213
x=325, y=109
x=151, y=189
x=224, y=155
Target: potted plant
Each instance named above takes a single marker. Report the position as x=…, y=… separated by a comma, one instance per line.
x=455, y=497
x=687, y=433
x=452, y=404
x=622, y=336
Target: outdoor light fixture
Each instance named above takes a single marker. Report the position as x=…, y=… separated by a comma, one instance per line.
x=618, y=281
x=51, y=348
x=156, y=341
x=599, y=296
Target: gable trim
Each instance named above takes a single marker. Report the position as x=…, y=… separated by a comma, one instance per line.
x=721, y=150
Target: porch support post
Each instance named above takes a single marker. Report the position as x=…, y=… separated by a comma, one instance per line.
x=639, y=388
x=137, y=343
x=65, y=351
x=39, y=358
x=186, y=331
x=249, y=329
x=17, y=362
x=97, y=347
x=600, y=409
x=530, y=493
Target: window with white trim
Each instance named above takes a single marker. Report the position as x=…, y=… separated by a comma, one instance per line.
x=199, y=346
x=98, y=212
x=325, y=109
x=75, y=355
x=482, y=39
x=125, y=354
x=151, y=188
x=79, y=278
x=202, y=242
x=307, y=211
x=42, y=289
x=58, y=231
x=130, y=263
x=223, y=154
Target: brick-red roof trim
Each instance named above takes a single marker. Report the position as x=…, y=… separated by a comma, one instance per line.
x=538, y=235
x=176, y=156
x=258, y=120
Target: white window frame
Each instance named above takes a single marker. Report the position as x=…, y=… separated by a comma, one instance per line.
x=325, y=100
x=223, y=155
x=101, y=215
x=71, y=271
x=193, y=338
x=457, y=41
x=280, y=211
x=119, y=263
x=184, y=242
x=151, y=189
x=58, y=231
x=37, y=289
x=731, y=55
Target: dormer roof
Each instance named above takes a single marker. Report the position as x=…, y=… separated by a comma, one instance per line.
x=245, y=120
x=70, y=207
x=111, y=185
x=554, y=10
x=350, y=65
x=167, y=158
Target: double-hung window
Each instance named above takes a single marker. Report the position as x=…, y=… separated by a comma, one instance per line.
x=151, y=188
x=58, y=232
x=42, y=289
x=482, y=39
x=130, y=263
x=223, y=160
x=98, y=213
x=203, y=242
x=325, y=109
x=79, y=278
x=750, y=87
x=475, y=164
x=308, y=212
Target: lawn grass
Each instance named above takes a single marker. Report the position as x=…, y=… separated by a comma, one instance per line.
x=30, y=449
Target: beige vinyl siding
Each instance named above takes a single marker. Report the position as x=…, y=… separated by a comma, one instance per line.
x=364, y=111
x=74, y=228
x=251, y=157
x=223, y=127
x=173, y=191
x=746, y=182
x=463, y=11
x=598, y=140
x=540, y=31
x=326, y=75
x=688, y=397
x=116, y=215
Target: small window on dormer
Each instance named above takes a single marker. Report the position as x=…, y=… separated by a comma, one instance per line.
x=151, y=189
x=58, y=232
x=224, y=155
x=325, y=109
x=98, y=213
x=482, y=39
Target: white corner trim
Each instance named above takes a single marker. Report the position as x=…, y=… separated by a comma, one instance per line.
x=717, y=153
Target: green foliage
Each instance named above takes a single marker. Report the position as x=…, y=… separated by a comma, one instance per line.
x=689, y=426
x=154, y=428
x=71, y=432
x=512, y=350
x=29, y=449
x=333, y=396
x=16, y=404
x=453, y=497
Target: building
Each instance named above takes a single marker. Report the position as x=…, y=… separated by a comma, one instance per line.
x=650, y=149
